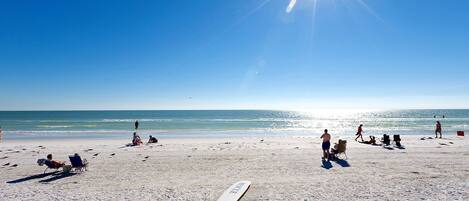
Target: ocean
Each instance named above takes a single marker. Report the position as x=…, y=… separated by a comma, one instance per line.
x=20, y=125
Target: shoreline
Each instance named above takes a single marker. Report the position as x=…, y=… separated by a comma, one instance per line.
x=205, y=134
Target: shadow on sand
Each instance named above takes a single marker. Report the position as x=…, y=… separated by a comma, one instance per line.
x=38, y=176
x=55, y=176
x=388, y=147
x=326, y=164
x=58, y=176
x=342, y=162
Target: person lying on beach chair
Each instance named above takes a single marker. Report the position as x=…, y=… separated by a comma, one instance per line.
x=152, y=139
x=78, y=163
x=386, y=140
x=51, y=164
x=397, y=140
x=136, y=140
x=371, y=141
x=338, y=149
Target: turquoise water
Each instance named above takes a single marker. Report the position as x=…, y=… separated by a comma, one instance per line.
x=221, y=123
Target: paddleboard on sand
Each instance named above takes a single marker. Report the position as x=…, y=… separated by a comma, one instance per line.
x=235, y=191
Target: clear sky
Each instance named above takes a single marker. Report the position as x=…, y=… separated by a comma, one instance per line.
x=219, y=54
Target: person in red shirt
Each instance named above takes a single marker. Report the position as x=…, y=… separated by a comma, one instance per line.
x=53, y=163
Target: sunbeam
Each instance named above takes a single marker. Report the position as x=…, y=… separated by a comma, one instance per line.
x=290, y=6
x=315, y=3
x=369, y=10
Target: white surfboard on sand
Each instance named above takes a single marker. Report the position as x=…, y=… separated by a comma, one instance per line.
x=235, y=191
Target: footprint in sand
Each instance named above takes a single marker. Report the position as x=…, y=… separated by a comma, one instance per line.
x=96, y=154
x=144, y=160
x=146, y=157
x=6, y=164
x=4, y=157
x=113, y=154
x=14, y=165
x=451, y=142
x=443, y=144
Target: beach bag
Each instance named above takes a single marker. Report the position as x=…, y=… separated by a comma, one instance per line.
x=460, y=133
x=67, y=168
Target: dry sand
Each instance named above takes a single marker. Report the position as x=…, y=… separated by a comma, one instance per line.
x=280, y=168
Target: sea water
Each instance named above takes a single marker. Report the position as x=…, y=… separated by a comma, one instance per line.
x=223, y=123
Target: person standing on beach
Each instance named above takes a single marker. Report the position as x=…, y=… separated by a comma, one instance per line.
x=359, y=132
x=326, y=144
x=438, y=129
x=136, y=125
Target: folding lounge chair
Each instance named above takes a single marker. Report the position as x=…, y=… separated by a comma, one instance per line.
x=49, y=165
x=397, y=140
x=341, y=148
x=78, y=163
x=386, y=140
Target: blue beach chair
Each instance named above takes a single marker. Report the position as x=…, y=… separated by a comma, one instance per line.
x=78, y=163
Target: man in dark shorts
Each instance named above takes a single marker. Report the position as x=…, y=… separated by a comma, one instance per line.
x=136, y=125
x=326, y=144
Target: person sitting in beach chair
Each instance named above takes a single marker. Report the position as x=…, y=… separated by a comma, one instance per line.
x=397, y=140
x=136, y=140
x=371, y=141
x=338, y=149
x=152, y=139
x=78, y=163
x=51, y=164
x=385, y=140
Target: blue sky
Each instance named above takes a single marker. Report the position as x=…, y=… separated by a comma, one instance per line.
x=218, y=54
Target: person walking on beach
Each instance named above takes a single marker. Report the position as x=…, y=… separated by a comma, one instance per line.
x=359, y=132
x=326, y=144
x=136, y=125
x=438, y=129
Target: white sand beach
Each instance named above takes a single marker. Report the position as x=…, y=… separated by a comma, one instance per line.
x=280, y=168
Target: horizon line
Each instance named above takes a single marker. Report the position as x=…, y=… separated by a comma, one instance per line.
x=236, y=109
